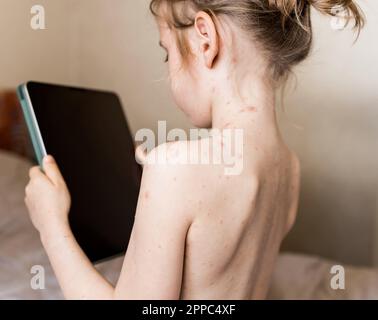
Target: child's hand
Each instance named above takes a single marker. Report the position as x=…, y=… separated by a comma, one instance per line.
x=47, y=197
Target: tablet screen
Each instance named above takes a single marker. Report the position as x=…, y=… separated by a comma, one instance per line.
x=87, y=133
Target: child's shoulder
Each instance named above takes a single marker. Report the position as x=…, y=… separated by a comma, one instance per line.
x=184, y=166
x=195, y=158
x=177, y=184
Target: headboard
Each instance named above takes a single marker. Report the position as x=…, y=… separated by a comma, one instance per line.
x=13, y=132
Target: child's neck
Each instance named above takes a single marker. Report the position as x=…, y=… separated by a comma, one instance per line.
x=250, y=105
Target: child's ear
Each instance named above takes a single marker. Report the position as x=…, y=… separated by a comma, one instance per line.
x=208, y=37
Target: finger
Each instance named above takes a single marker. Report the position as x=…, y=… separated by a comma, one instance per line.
x=52, y=170
x=35, y=172
x=29, y=188
x=141, y=154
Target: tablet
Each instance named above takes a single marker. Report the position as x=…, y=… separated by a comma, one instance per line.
x=87, y=133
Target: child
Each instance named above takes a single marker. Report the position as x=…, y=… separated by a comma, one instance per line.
x=198, y=233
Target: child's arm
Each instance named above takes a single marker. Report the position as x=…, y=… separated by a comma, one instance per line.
x=153, y=266
x=155, y=256
x=76, y=275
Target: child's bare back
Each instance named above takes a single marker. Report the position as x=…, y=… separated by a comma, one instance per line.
x=239, y=224
x=230, y=227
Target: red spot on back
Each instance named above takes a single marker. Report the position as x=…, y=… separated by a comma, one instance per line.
x=249, y=109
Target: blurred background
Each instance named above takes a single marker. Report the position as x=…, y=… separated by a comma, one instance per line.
x=330, y=115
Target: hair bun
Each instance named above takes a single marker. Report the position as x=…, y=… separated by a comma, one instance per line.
x=297, y=9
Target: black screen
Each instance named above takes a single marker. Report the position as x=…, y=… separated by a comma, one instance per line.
x=87, y=133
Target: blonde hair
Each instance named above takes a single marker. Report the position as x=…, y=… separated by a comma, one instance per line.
x=282, y=27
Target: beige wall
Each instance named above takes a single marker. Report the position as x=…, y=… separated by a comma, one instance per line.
x=336, y=105
x=26, y=54
x=331, y=117
x=117, y=49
